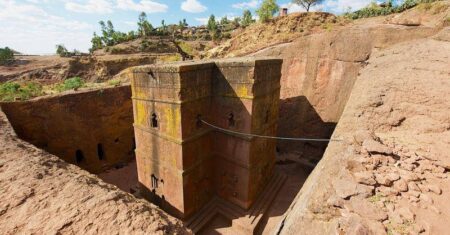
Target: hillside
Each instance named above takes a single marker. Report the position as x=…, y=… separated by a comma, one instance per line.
x=296, y=26
x=279, y=30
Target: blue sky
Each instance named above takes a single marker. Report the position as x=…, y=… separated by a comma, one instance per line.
x=36, y=26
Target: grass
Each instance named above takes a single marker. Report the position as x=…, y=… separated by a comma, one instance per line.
x=21, y=91
x=70, y=84
x=186, y=47
x=114, y=82
x=11, y=91
x=170, y=58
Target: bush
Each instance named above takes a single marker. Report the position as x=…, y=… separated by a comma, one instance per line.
x=70, y=84
x=11, y=91
x=6, y=55
x=61, y=50
x=374, y=9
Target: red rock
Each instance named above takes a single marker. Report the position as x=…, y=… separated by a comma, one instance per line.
x=401, y=185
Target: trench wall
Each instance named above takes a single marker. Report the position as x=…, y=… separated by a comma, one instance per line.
x=318, y=75
x=92, y=129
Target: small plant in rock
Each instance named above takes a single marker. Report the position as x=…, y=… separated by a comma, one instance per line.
x=70, y=84
x=11, y=91
x=114, y=82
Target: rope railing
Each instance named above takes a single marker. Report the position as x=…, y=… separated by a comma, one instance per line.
x=265, y=136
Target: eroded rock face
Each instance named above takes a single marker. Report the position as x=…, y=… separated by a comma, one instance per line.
x=42, y=194
x=93, y=129
x=319, y=72
x=395, y=138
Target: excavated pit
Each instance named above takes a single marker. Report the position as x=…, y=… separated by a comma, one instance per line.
x=90, y=129
x=94, y=130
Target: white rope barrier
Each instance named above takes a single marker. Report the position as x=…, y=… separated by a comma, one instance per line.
x=265, y=136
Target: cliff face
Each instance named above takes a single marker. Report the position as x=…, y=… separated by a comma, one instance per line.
x=319, y=72
x=390, y=173
x=43, y=194
x=93, y=129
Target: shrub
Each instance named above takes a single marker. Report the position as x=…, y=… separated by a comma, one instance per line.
x=61, y=50
x=374, y=9
x=10, y=91
x=70, y=84
x=6, y=55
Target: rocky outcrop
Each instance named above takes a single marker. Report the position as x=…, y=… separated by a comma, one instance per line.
x=388, y=172
x=41, y=194
x=318, y=75
x=93, y=129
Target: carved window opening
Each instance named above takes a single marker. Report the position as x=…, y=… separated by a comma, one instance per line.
x=154, y=181
x=154, y=122
x=152, y=75
x=100, y=152
x=266, y=119
x=79, y=156
x=231, y=121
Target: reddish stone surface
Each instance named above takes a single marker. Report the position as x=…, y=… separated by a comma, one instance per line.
x=183, y=163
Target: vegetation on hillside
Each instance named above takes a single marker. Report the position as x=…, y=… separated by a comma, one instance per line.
x=25, y=90
x=6, y=55
x=70, y=84
x=374, y=9
x=11, y=91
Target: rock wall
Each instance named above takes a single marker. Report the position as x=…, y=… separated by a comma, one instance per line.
x=42, y=194
x=93, y=129
x=318, y=75
x=390, y=171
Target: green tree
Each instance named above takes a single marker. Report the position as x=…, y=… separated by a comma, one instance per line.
x=144, y=27
x=247, y=18
x=307, y=4
x=96, y=42
x=212, y=27
x=267, y=10
x=224, y=21
x=106, y=37
x=6, y=55
x=212, y=24
x=61, y=50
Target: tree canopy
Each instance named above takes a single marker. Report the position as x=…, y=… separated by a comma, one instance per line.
x=267, y=10
x=247, y=18
x=6, y=55
x=144, y=27
x=307, y=4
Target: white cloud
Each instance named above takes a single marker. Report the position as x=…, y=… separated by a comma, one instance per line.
x=246, y=5
x=340, y=6
x=193, y=6
x=147, y=6
x=30, y=29
x=91, y=6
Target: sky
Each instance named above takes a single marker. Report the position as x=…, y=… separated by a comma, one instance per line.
x=36, y=26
